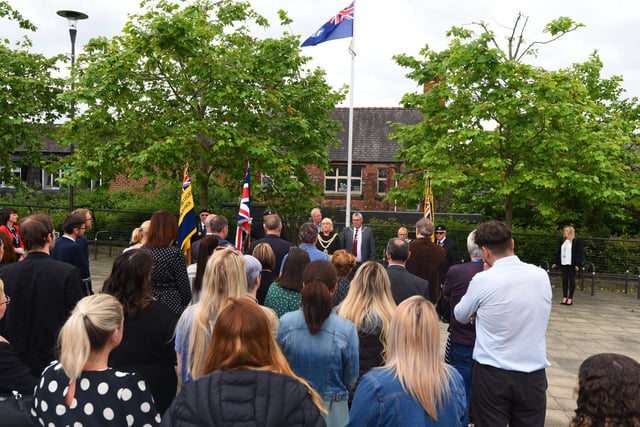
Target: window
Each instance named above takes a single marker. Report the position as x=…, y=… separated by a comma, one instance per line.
x=382, y=180
x=50, y=180
x=17, y=172
x=335, y=181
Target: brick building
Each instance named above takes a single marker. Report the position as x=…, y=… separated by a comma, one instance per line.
x=373, y=164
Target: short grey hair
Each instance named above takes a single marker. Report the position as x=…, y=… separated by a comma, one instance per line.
x=472, y=246
x=253, y=268
x=425, y=227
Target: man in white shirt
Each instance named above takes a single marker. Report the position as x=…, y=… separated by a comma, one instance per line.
x=511, y=304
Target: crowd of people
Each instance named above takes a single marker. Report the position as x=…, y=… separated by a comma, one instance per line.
x=311, y=334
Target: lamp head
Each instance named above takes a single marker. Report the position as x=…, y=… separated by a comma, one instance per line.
x=72, y=17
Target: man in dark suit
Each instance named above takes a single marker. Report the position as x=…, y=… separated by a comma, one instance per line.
x=201, y=227
x=68, y=250
x=43, y=292
x=426, y=258
x=358, y=240
x=450, y=247
x=403, y=283
x=195, y=246
x=273, y=228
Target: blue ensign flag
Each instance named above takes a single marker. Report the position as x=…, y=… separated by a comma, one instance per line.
x=339, y=26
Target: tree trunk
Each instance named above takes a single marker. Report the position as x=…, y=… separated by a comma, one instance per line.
x=203, y=184
x=508, y=210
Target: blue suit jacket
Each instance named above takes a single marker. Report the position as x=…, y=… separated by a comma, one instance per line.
x=66, y=250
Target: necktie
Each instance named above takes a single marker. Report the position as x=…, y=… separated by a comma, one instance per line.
x=355, y=243
x=440, y=243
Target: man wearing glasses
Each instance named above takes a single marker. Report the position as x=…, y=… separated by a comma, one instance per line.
x=43, y=293
x=68, y=250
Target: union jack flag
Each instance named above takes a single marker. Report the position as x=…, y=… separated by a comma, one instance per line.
x=428, y=200
x=339, y=26
x=244, y=214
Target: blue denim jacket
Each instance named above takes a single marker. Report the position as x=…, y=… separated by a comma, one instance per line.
x=380, y=400
x=328, y=360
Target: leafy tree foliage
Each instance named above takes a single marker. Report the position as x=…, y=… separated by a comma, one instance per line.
x=191, y=84
x=518, y=142
x=29, y=101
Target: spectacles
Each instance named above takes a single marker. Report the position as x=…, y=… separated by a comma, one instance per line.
x=439, y=232
x=7, y=300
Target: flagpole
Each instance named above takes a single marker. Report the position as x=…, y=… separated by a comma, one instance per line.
x=350, y=136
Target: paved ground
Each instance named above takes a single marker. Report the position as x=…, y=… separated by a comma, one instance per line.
x=605, y=322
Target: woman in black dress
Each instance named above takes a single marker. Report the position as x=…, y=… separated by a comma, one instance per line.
x=147, y=342
x=169, y=279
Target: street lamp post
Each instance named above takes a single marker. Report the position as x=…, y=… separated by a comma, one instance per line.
x=72, y=18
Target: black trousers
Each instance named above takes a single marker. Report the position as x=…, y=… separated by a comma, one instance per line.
x=500, y=397
x=568, y=280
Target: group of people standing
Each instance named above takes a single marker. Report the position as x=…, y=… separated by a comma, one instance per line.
x=296, y=355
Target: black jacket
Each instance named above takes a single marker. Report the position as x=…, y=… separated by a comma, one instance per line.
x=247, y=398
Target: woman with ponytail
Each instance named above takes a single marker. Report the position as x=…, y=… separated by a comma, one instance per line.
x=322, y=347
x=80, y=388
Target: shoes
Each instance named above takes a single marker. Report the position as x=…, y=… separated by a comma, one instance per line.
x=569, y=301
x=564, y=301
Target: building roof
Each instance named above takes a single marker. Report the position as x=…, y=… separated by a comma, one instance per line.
x=371, y=143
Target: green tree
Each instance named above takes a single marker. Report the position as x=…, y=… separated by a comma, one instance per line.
x=510, y=139
x=192, y=84
x=29, y=99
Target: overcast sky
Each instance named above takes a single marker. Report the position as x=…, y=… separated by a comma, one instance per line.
x=384, y=28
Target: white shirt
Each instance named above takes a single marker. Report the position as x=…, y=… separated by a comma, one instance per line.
x=565, y=252
x=512, y=301
x=359, y=230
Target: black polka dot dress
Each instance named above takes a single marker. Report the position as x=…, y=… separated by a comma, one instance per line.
x=102, y=398
x=169, y=278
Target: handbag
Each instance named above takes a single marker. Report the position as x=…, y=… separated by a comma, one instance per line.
x=443, y=308
x=15, y=409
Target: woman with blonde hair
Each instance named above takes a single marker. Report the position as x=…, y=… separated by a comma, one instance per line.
x=139, y=236
x=415, y=387
x=264, y=253
x=370, y=306
x=224, y=278
x=245, y=378
x=80, y=388
x=328, y=241
x=570, y=258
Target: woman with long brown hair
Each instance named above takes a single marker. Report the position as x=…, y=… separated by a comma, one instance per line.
x=147, y=341
x=169, y=275
x=245, y=378
x=284, y=294
x=321, y=346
